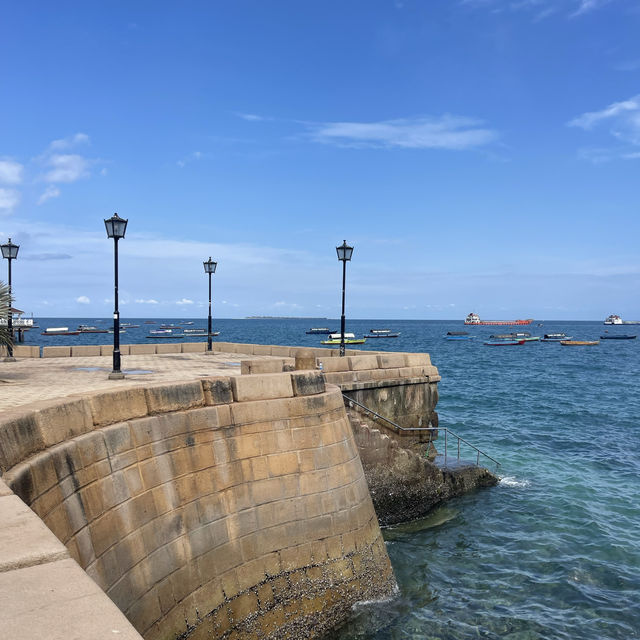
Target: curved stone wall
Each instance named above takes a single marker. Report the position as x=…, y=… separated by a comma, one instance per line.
x=223, y=505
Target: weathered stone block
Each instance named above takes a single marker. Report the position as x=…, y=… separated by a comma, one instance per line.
x=306, y=383
x=59, y=420
x=56, y=352
x=142, y=349
x=115, y=406
x=305, y=359
x=217, y=390
x=391, y=360
x=168, y=348
x=331, y=364
x=194, y=347
x=275, y=365
x=262, y=387
x=85, y=350
x=358, y=363
x=417, y=359
x=174, y=397
x=26, y=351
x=261, y=349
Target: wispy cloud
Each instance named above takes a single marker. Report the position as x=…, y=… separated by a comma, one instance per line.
x=10, y=172
x=540, y=8
x=70, y=142
x=9, y=199
x=622, y=121
x=143, y=301
x=83, y=300
x=184, y=301
x=193, y=156
x=252, y=117
x=67, y=167
x=444, y=132
x=50, y=192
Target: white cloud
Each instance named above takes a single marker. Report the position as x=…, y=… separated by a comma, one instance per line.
x=10, y=172
x=83, y=300
x=623, y=123
x=541, y=8
x=184, y=301
x=9, y=198
x=66, y=168
x=71, y=141
x=195, y=155
x=251, y=117
x=143, y=301
x=50, y=192
x=444, y=132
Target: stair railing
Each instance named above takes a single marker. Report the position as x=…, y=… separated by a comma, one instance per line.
x=447, y=432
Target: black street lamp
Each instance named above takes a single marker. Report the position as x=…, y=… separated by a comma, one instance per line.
x=209, y=267
x=10, y=252
x=344, y=255
x=116, y=228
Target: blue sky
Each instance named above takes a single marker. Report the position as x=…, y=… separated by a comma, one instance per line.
x=480, y=155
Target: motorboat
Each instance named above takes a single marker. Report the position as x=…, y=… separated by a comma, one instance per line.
x=503, y=343
x=458, y=335
x=522, y=335
x=381, y=333
x=349, y=338
x=319, y=330
x=59, y=331
x=555, y=337
x=199, y=332
x=85, y=328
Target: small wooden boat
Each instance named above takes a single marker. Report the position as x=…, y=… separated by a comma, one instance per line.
x=381, y=333
x=166, y=336
x=458, y=335
x=619, y=336
x=503, y=343
x=320, y=330
x=522, y=335
x=349, y=338
x=83, y=328
x=579, y=343
x=555, y=337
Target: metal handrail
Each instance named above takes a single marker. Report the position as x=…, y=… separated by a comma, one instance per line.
x=446, y=430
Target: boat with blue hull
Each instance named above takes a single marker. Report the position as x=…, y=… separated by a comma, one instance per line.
x=458, y=335
x=620, y=336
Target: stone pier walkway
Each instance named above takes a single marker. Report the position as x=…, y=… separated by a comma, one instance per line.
x=32, y=379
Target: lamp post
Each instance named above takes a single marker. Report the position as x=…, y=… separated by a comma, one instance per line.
x=10, y=252
x=116, y=228
x=344, y=255
x=209, y=267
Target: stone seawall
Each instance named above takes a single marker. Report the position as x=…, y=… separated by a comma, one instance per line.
x=228, y=505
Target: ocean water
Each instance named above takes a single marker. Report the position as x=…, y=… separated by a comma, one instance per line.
x=553, y=551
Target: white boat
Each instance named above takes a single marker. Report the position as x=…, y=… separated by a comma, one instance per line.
x=59, y=331
x=614, y=319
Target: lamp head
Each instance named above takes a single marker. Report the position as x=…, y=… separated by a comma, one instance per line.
x=210, y=266
x=10, y=250
x=116, y=226
x=344, y=252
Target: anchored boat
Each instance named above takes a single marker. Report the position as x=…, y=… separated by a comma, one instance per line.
x=349, y=338
x=555, y=337
x=474, y=318
x=579, y=343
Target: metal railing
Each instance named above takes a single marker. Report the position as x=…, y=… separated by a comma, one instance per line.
x=447, y=433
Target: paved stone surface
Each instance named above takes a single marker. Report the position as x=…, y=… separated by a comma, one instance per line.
x=32, y=379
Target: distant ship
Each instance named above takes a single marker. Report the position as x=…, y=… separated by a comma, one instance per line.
x=613, y=319
x=474, y=318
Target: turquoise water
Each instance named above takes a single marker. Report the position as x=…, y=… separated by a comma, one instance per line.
x=553, y=551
